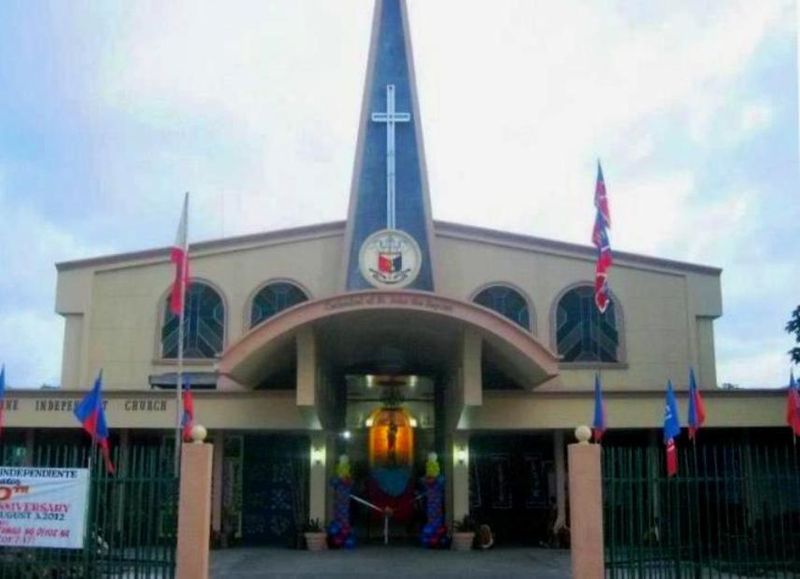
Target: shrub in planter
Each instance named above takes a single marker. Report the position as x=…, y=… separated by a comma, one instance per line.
x=463, y=534
x=316, y=537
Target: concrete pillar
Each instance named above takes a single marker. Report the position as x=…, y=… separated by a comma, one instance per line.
x=460, y=486
x=318, y=478
x=306, y=367
x=586, y=507
x=194, y=509
x=472, y=377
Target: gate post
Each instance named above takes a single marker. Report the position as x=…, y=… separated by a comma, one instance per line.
x=194, y=510
x=586, y=507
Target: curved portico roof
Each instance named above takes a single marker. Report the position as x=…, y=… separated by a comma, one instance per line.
x=532, y=361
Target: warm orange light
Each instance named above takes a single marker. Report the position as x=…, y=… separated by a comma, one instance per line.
x=391, y=438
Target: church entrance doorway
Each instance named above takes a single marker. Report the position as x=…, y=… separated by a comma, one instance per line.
x=391, y=422
x=512, y=486
x=274, y=488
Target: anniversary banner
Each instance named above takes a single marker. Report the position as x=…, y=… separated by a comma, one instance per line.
x=43, y=507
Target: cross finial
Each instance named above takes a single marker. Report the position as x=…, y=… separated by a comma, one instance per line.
x=390, y=117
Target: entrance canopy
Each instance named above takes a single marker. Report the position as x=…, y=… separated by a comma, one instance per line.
x=389, y=332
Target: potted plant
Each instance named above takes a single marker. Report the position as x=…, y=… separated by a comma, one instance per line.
x=316, y=537
x=463, y=534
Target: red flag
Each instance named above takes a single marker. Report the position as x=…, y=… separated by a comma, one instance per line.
x=602, y=223
x=697, y=408
x=180, y=257
x=187, y=420
x=672, y=458
x=793, y=406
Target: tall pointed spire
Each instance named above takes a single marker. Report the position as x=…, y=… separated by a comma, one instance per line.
x=389, y=236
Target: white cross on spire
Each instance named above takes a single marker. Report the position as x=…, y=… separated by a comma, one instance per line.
x=390, y=117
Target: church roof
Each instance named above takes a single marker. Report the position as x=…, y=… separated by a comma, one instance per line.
x=442, y=229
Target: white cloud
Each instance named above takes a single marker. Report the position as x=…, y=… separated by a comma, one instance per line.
x=518, y=99
x=767, y=368
x=31, y=342
x=31, y=333
x=540, y=90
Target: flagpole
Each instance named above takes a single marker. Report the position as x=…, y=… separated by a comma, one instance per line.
x=181, y=316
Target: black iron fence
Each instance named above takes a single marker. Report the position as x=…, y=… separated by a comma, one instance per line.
x=131, y=528
x=731, y=511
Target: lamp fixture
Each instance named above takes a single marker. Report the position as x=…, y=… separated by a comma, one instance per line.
x=317, y=455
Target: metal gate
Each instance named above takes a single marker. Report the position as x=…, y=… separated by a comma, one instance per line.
x=131, y=525
x=732, y=511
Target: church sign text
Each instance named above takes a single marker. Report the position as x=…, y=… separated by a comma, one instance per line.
x=377, y=299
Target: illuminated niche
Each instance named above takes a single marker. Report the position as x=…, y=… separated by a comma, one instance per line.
x=391, y=438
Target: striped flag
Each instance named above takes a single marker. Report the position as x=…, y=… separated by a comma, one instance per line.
x=793, y=406
x=602, y=223
x=697, y=408
x=672, y=428
x=92, y=416
x=180, y=257
x=187, y=420
x=599, y=422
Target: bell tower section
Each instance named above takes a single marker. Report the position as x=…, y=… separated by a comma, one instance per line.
x=389, y=234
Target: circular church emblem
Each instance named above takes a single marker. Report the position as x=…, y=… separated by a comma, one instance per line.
x=390, y=258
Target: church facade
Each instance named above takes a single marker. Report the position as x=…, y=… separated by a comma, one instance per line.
x=386, y=337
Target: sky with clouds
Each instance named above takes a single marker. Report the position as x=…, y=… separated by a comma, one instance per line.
x=109, y=111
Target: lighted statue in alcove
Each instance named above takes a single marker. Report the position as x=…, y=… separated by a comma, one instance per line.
x=391, y=457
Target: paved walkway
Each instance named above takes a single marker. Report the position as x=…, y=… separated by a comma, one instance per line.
x=390, y=562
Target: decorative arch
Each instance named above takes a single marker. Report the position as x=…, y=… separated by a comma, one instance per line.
x=204, y=327
x=509, y=301
x=241, y=361
x=271, y=298
x=579, y=334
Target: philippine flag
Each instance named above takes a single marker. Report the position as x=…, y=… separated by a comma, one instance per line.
x=187, y=420
x=672, y=428
x=180, y=257
x=91, y=415
x=599, y=422
x=793, y=406
x=697, y=408
x=602, y=223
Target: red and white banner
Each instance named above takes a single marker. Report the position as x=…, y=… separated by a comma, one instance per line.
x=180, y=257
x=43, y=507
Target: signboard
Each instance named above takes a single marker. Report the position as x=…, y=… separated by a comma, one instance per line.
x=43, y=507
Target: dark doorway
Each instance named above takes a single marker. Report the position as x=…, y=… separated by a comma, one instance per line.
x=512, y=486
x=274, y=488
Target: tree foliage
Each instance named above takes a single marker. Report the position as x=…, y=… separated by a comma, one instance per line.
x=793, y=327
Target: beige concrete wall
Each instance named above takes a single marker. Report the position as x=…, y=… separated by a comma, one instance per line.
x=120, y=305
x=707, y=374
x=501, y=411
x=659, y=307
x=71, y=356
x=156, y=409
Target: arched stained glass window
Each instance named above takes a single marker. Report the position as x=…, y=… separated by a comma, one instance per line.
x=507, y=302
x=583, y=334
x=274, y=298
x=203, y=324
